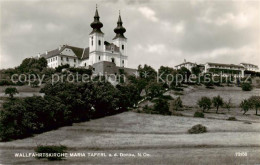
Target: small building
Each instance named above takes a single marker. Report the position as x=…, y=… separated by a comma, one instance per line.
x=188, y=65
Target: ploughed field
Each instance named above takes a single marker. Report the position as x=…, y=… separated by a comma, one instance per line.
x=161, y=140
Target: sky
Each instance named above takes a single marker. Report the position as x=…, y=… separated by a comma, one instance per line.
x=159, y=32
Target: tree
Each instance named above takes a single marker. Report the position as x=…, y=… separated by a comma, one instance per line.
x=147, y=72
x=227, y=104
x=176, y=104
x=163, y=72
x=217, y=102
x=204, y=103
x=154, y=89
x=161, y=106
x=185, y=73
x=255, y=102
x=195, y=70
x=11, y=92
x=245, y=105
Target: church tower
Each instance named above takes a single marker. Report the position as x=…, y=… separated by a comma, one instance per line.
x=120, y=40
x=96, y=41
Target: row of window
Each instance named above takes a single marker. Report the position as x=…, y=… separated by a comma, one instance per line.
x=56, y=59
x=99, y=43
x=52, y=59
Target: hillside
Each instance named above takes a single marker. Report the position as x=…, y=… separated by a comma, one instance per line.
x=164, y=138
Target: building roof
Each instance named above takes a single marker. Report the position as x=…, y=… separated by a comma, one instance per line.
x=229, y=65
x=248, y=64
x=119, y=30
x=185, y=63
x=111, y=46
x=79, y=52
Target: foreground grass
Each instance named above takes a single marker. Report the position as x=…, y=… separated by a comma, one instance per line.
x=165, y=138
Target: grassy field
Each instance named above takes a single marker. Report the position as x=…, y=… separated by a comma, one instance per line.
x=164, y=138
x=192, y=94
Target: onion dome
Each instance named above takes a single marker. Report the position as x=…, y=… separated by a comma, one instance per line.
x=119, y=30
x=96, y=24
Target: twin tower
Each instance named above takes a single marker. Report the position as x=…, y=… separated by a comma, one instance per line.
x=101, y=50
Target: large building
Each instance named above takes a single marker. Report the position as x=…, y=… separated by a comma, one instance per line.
x=250, y=67
x=219, y=68
x=97, y=52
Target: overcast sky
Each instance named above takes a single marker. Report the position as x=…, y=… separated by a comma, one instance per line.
x=159, y=33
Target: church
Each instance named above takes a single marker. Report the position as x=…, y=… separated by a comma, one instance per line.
x=100, y=55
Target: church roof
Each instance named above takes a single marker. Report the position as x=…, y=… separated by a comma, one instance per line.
x=119, y=30
x=111, y=46
x=79, y=52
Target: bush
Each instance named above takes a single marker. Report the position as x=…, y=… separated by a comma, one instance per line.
x=161, y=107
x=198, y=114
x=232, y=119
x=204, y=103
x=196, y=129
x=51, y=149
x=177, y=114
x=246, y=87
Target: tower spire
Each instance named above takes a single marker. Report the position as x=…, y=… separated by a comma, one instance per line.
x=119, y=30
x=96, y=24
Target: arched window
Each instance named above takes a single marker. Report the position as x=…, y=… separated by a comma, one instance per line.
x=92, y=41
x=122, y=61
x=123, y=47
x=98, y=57
x=113, y=60
x=99, y=42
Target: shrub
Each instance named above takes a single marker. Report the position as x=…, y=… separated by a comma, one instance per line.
x=161, y=107
x=51, y=149
x=197, y=129
x=204, y=103
x=166, y=97
x=217, y=102
x=246, y=87
x=177, y=114
x=198, y=114
x=232, y=119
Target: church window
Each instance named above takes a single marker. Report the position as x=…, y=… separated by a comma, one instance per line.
x=67, y=58
x=74, y=60
x=113, y=60
x=99, y=42
x=85, y=64
x=122, y=61
x=98, y=57
x=123, y=46
x=61, y=58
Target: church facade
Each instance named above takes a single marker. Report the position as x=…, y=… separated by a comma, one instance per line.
x=98, y=51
